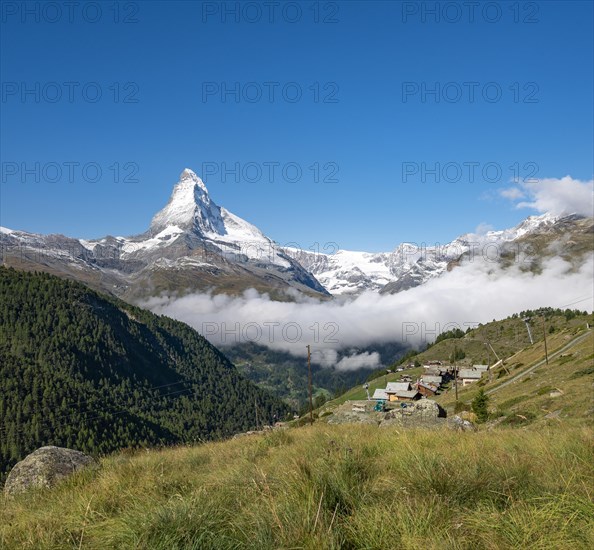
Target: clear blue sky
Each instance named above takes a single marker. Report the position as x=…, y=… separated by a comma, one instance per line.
x=175, y=49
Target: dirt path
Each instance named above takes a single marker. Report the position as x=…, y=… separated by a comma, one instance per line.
x=542, y=361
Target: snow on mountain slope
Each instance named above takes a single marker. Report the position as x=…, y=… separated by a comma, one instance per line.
x=409, y=264
x=191, y=242
x=195, y=245
x=346, y=271
x=191, y=209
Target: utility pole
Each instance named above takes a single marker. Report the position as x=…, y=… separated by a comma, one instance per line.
x=309, y=384
x=256, y=409
x=544, y=332
x=456, y=377
x=489, y=361
x=494, y=352
x=497, y=357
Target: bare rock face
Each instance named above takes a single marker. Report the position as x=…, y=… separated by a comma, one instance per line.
x=44, y=468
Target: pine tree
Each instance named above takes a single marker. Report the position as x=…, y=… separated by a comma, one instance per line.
x=480, y=406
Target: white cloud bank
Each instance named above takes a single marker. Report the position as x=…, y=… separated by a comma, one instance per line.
x=476, y=292
x=558, y=196
x=359, y=360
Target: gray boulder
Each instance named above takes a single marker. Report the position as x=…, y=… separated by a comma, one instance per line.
x=44, y=468
x=461, y=424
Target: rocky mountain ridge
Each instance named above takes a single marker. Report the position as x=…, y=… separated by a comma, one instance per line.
x=195, y=245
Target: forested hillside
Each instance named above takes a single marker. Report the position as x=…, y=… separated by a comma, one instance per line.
x=85, y=371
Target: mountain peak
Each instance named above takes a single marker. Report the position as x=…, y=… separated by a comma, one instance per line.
x=189, y=177
x=190, y=208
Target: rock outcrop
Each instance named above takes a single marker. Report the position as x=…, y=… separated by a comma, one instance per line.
x=462, y=424
x=44, y=468
x=355, y=412
x=422, y=413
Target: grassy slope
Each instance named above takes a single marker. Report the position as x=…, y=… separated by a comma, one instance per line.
x=507, y=337
x=325, y=487
x=352, y=486
x=572, y=372
x=510, y=340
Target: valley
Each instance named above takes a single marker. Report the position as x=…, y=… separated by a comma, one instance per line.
x=195, y=248
x=296, y=275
